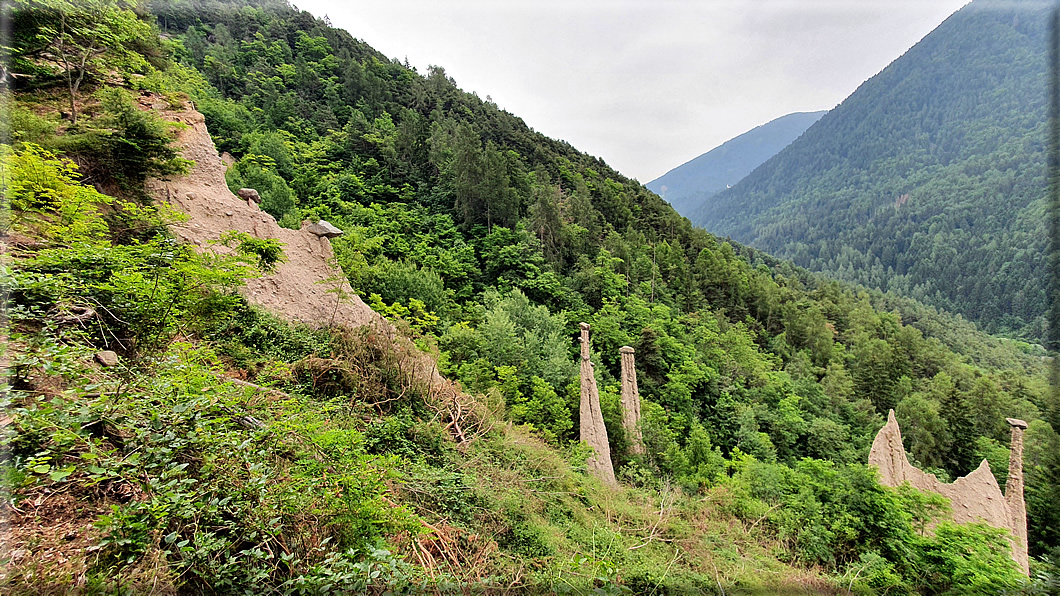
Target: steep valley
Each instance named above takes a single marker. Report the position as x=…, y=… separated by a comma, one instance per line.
x=206, y=397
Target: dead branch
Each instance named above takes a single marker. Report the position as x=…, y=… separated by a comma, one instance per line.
x=663, y=508
x=770, y=510
x=257, y=388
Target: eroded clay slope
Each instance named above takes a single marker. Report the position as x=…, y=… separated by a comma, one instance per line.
x=973, y=498
x=298, y=290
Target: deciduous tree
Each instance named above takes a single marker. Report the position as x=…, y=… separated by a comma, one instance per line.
x=82, y=38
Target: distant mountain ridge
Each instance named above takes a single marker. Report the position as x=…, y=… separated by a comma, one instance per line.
x=691, y=183
x=929, y=180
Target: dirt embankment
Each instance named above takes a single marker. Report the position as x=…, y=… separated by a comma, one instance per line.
x=309, y=287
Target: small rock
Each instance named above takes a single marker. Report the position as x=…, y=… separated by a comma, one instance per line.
x=70, y=536
x=191, y=195
x=228, y=213
x=249, y=194
x=77, y=314
x=107, y=358
x=323, y=228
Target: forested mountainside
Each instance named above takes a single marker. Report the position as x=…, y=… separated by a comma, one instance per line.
x=325, y=468
x=928, y=181
x=688, y=185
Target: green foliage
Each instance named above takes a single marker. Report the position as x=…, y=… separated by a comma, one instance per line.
x=120, y=144
x=1042, y=471
x=510, y=239
x=44, y=193
x=415, y=314
x=700, y=465
x=522, y=350
x=494, y=242
x=969, y=558
x=136, y=144
x=258, y=172
x=924, y=429
x=22, y=125
x=138, y=293
x=542, y=407
x=81, y=41
x=254, y=339
x=216, y=505
x=405, y=437
x=352, y=571
x=267, y=251
x=839, y=516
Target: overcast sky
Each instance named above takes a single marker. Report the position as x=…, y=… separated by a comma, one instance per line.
x=645, y=84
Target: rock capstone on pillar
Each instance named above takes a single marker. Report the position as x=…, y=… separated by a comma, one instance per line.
x=631, y=401
x=324, y=229
x=592, y=429
x=249, y=195
x=1017, y=507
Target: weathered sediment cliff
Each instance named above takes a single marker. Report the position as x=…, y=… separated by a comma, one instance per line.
x=309, y=287
x=298, y=289
x=592, y=426
x=973, y=498
x=631, y=401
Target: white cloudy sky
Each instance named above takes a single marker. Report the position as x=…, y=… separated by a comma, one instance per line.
x=645, y=84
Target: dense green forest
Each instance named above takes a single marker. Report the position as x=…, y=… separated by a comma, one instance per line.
x=487, y=244
x=690, y=184
x=928, y=181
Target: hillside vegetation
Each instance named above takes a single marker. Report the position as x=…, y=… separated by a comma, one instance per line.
x=928, y=181
x=689, y=185
x=486, y=244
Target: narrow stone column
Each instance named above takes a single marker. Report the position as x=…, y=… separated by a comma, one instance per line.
x=631, y=401
x=593, y=430
x=1017, y=508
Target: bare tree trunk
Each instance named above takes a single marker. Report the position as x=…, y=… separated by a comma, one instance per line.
x=71, y=85
x=75, y=86
x=73, y=107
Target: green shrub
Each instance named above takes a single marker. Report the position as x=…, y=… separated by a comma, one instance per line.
x=526, y=539
x=125, y=144
x=841, y=517
x=968, y=559
x=405, y=437
x=258, y=172
x=142, y=291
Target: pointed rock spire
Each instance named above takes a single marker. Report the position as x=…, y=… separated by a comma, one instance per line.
x=631, y=401
x=593, y=430
x=973, y=498
x=1017, y=507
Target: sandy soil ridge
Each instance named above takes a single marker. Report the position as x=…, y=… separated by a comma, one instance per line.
x=299, y=289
